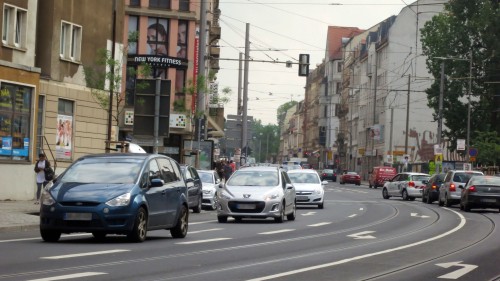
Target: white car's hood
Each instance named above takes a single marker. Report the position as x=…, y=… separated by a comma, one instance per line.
x=307, y=186
x=249, y=192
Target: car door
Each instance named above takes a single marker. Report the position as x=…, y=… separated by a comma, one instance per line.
x=191, y=188
x=155, y=196
x=171, y=191
x=289, y=193
x=445, y=185
x=392, y=186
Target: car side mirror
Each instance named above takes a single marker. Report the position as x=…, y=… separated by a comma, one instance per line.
x=221, y=185
x=461, y=186
x=157, y=182
x=425, y=181
x=189, y=180
x=289, y=186
x=324, y=182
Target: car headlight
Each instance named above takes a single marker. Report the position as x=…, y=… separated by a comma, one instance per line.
x=47, y=198
x=207, y=191
x=272, y=196
x=122, y=200
x=318, y=191
x=225, y=195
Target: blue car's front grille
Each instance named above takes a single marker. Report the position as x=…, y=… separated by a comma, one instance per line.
x=79, y=203
x=78, y=224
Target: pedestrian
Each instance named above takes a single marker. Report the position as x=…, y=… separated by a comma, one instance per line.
x=219, y=167
x=232, y=165
x=41, y=167
x=228, y=171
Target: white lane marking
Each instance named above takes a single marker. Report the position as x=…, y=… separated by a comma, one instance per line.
x=39, y=238
x=361, y=209
x=330, y=264
x=308, y=214
x=466, y=268
x=362, y=235
x=418, y=216
x=205, y=230
x=84, y=254
x=69, y=276
x=320, y=224
x=276, y=231
x=352, y=216
x=204, y=241
x=201, y=222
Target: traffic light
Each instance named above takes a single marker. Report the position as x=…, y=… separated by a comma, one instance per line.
x=303, y=64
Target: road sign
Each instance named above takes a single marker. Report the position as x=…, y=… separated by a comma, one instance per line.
x=472, y=158
x=460, y=144
x=438, y=158
x=473, y=151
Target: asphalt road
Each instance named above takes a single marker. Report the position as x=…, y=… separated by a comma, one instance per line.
x=358, y=236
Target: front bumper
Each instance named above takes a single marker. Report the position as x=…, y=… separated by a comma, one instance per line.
x=308, y=198
x=249, y=208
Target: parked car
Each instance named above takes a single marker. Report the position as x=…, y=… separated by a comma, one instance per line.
x=194, y=186
x=128, y=194
x=480, y=192
x=257, y=192
x=449, y=193
x=290, y=167
x=408, y=185
x=380, y=175
x=350, y=177
x=430, y=192
x=328, y=174
x=308, y=187
x=211, y=183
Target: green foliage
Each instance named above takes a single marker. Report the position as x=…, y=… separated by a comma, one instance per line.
x=282, y=109
x=488, y=146
x=466, y=29
x=180, y=105
x=262, y=135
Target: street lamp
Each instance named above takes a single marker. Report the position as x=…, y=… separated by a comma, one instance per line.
x=440, y=120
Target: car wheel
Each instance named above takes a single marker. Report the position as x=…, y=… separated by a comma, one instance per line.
x=461, y=206
x=140, y=228
x=291, y=216
x=411, y=198
x=385, y=194
x=222, y=219
x=238, y=219
x=197, y=208
x=447, y=202
x=281, y=218
x=429, y=200
x=405, y=195
x=440, y=203
x=180, y=229
x=50, y=235
x=215, y=201
x=424, y=199
x=99, y=235
x=466, y=207
x=321, y=206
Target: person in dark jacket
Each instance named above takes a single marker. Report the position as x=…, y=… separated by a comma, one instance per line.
x=228, y=171
x=40, y=167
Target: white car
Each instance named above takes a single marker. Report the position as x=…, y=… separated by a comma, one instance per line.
x=308, y=187
x=211, y=183
x=407, y=185
x=257, y=192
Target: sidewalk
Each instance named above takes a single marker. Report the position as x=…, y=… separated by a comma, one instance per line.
x=18, y=216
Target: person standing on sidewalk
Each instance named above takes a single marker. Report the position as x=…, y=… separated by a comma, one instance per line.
x=40, y=167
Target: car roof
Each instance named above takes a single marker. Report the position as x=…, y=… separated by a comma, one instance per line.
x=123, y=155
x=415, y=174
x=259, y=168
x=302, y=171
x=205, y=171
x=466, y=171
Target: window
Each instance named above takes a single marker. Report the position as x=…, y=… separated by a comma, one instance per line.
x=15, y=116
x=163, y=4
x=168, y=173
x=338, y=89
x=130, y=86
x=339, y=66
x=71, y=41
x=184, y=5
x=135, y=3
x=182, y=39
x=64, y=132
x=40, y=123
x=14, y=26
x=133, y=34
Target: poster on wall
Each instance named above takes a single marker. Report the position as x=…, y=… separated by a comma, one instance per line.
x=6, y=148
x=64, y=136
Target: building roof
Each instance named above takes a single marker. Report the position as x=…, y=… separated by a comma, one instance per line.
x=334, y=40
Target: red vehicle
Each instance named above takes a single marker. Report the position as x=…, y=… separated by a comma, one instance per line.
x=379, y=175
x=350, y=177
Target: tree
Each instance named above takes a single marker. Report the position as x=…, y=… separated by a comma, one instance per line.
x=488, y=147
x=466, y=29
x=282, y=109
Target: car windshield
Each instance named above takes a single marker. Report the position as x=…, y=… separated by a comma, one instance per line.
x=103, y=170
x=328, y=171
x=303, y=178
x=481, y=180
x=463, y=177
x=352, y=173
x=253, y=178
x=206, y=177
x=420, y=178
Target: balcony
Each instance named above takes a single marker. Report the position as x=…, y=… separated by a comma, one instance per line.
x=215, y=51
x=214, y=33
x=214, y=64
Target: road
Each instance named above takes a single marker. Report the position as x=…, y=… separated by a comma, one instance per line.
x=358, y=236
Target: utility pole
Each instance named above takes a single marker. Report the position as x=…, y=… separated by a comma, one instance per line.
x=200, y=99
x=244, y=122
x=240, y=80
x=440, y=111
x=407, y=116
x=112, y=80
x=468, y=108
x=390, y=136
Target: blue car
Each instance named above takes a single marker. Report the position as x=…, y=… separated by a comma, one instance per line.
x=127, y=194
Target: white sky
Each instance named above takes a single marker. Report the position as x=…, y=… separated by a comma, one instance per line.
x=288, y=28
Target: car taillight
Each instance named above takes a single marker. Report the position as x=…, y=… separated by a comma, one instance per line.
x=411, y=184
x=434, y=186
x=472, y=188
x=453, y=187
x=324, y=174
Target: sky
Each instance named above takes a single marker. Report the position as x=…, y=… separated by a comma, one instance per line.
x=279, y=31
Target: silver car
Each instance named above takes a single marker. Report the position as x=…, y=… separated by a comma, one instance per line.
x=211, y=183
x=257, y=192
x=308, y=187
x=449, y=193
x=407, y=185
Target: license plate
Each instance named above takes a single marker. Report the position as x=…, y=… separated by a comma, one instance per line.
x=246, y=206
x=78, y=216
x=488, y=200
x=302, y=198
